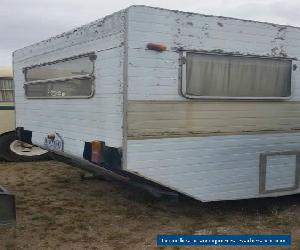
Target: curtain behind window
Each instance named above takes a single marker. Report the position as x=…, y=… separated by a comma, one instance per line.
x=234, y=76
x=6, y=90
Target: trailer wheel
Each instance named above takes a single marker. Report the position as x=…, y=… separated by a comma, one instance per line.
x=14, y=150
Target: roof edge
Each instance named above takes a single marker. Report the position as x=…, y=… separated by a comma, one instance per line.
x=222, y=17
x=152, y=7
x=70, y=30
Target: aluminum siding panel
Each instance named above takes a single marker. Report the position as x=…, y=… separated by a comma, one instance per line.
x=78, y=120
x=209, y=168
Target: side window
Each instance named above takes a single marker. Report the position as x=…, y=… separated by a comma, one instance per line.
x=235, y=77
x=67, y=78
x=6, y=90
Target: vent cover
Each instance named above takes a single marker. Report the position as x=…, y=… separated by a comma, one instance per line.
x=279, y=172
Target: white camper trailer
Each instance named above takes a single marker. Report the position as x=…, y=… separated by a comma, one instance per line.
x=207, y=106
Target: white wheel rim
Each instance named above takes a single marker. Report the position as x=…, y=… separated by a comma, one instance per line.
x=24, y=149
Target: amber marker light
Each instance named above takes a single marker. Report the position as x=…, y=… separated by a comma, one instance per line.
x=156, y=46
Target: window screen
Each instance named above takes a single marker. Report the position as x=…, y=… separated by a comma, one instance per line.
x=6, y=90
x=210, y=75
x=72, y=77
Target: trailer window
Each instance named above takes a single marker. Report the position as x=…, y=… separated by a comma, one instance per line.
x=225, y=76
x=71, y=77
x=6, y=90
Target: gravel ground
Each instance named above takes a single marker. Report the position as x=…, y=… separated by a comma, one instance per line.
x=56, y=210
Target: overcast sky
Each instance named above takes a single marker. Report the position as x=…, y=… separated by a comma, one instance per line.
x=24, y=22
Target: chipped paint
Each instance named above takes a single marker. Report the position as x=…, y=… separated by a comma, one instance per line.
x=220, y=24
x=191, y=14
x=279, y=43
x=107, y=26
x=278, y=52
x=104, y=120
x=181, y=31
x=236, y=38
x=155, y=78
x=126, y=70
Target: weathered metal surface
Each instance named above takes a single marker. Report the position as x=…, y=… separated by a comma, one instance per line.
x=160, y=119
x=7, y=220
x=154, y=76
x=7, y=207
x=77, y=120
x=210, y=168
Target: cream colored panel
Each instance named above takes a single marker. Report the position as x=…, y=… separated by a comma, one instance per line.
x=7, y=117
x=172, y=118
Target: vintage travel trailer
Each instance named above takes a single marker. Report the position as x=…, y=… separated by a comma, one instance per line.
x=207, y=106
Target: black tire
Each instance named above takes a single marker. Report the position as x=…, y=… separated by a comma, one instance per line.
x=8, y=155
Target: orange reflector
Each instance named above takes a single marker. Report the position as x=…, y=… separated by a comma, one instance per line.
x=96, y=151
x=156, y=46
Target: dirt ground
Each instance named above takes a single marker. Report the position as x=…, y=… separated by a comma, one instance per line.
x=56, y=210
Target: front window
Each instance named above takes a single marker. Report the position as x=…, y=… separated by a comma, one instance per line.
x=235, y=77
x=6, y=90
x=67, y=78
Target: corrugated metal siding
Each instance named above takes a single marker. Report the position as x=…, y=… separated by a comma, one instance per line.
x=78, y=120
x=209, y=168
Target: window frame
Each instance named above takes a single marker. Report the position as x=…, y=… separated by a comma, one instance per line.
x=183, y=83
x=92, y=56
x=13, y=89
